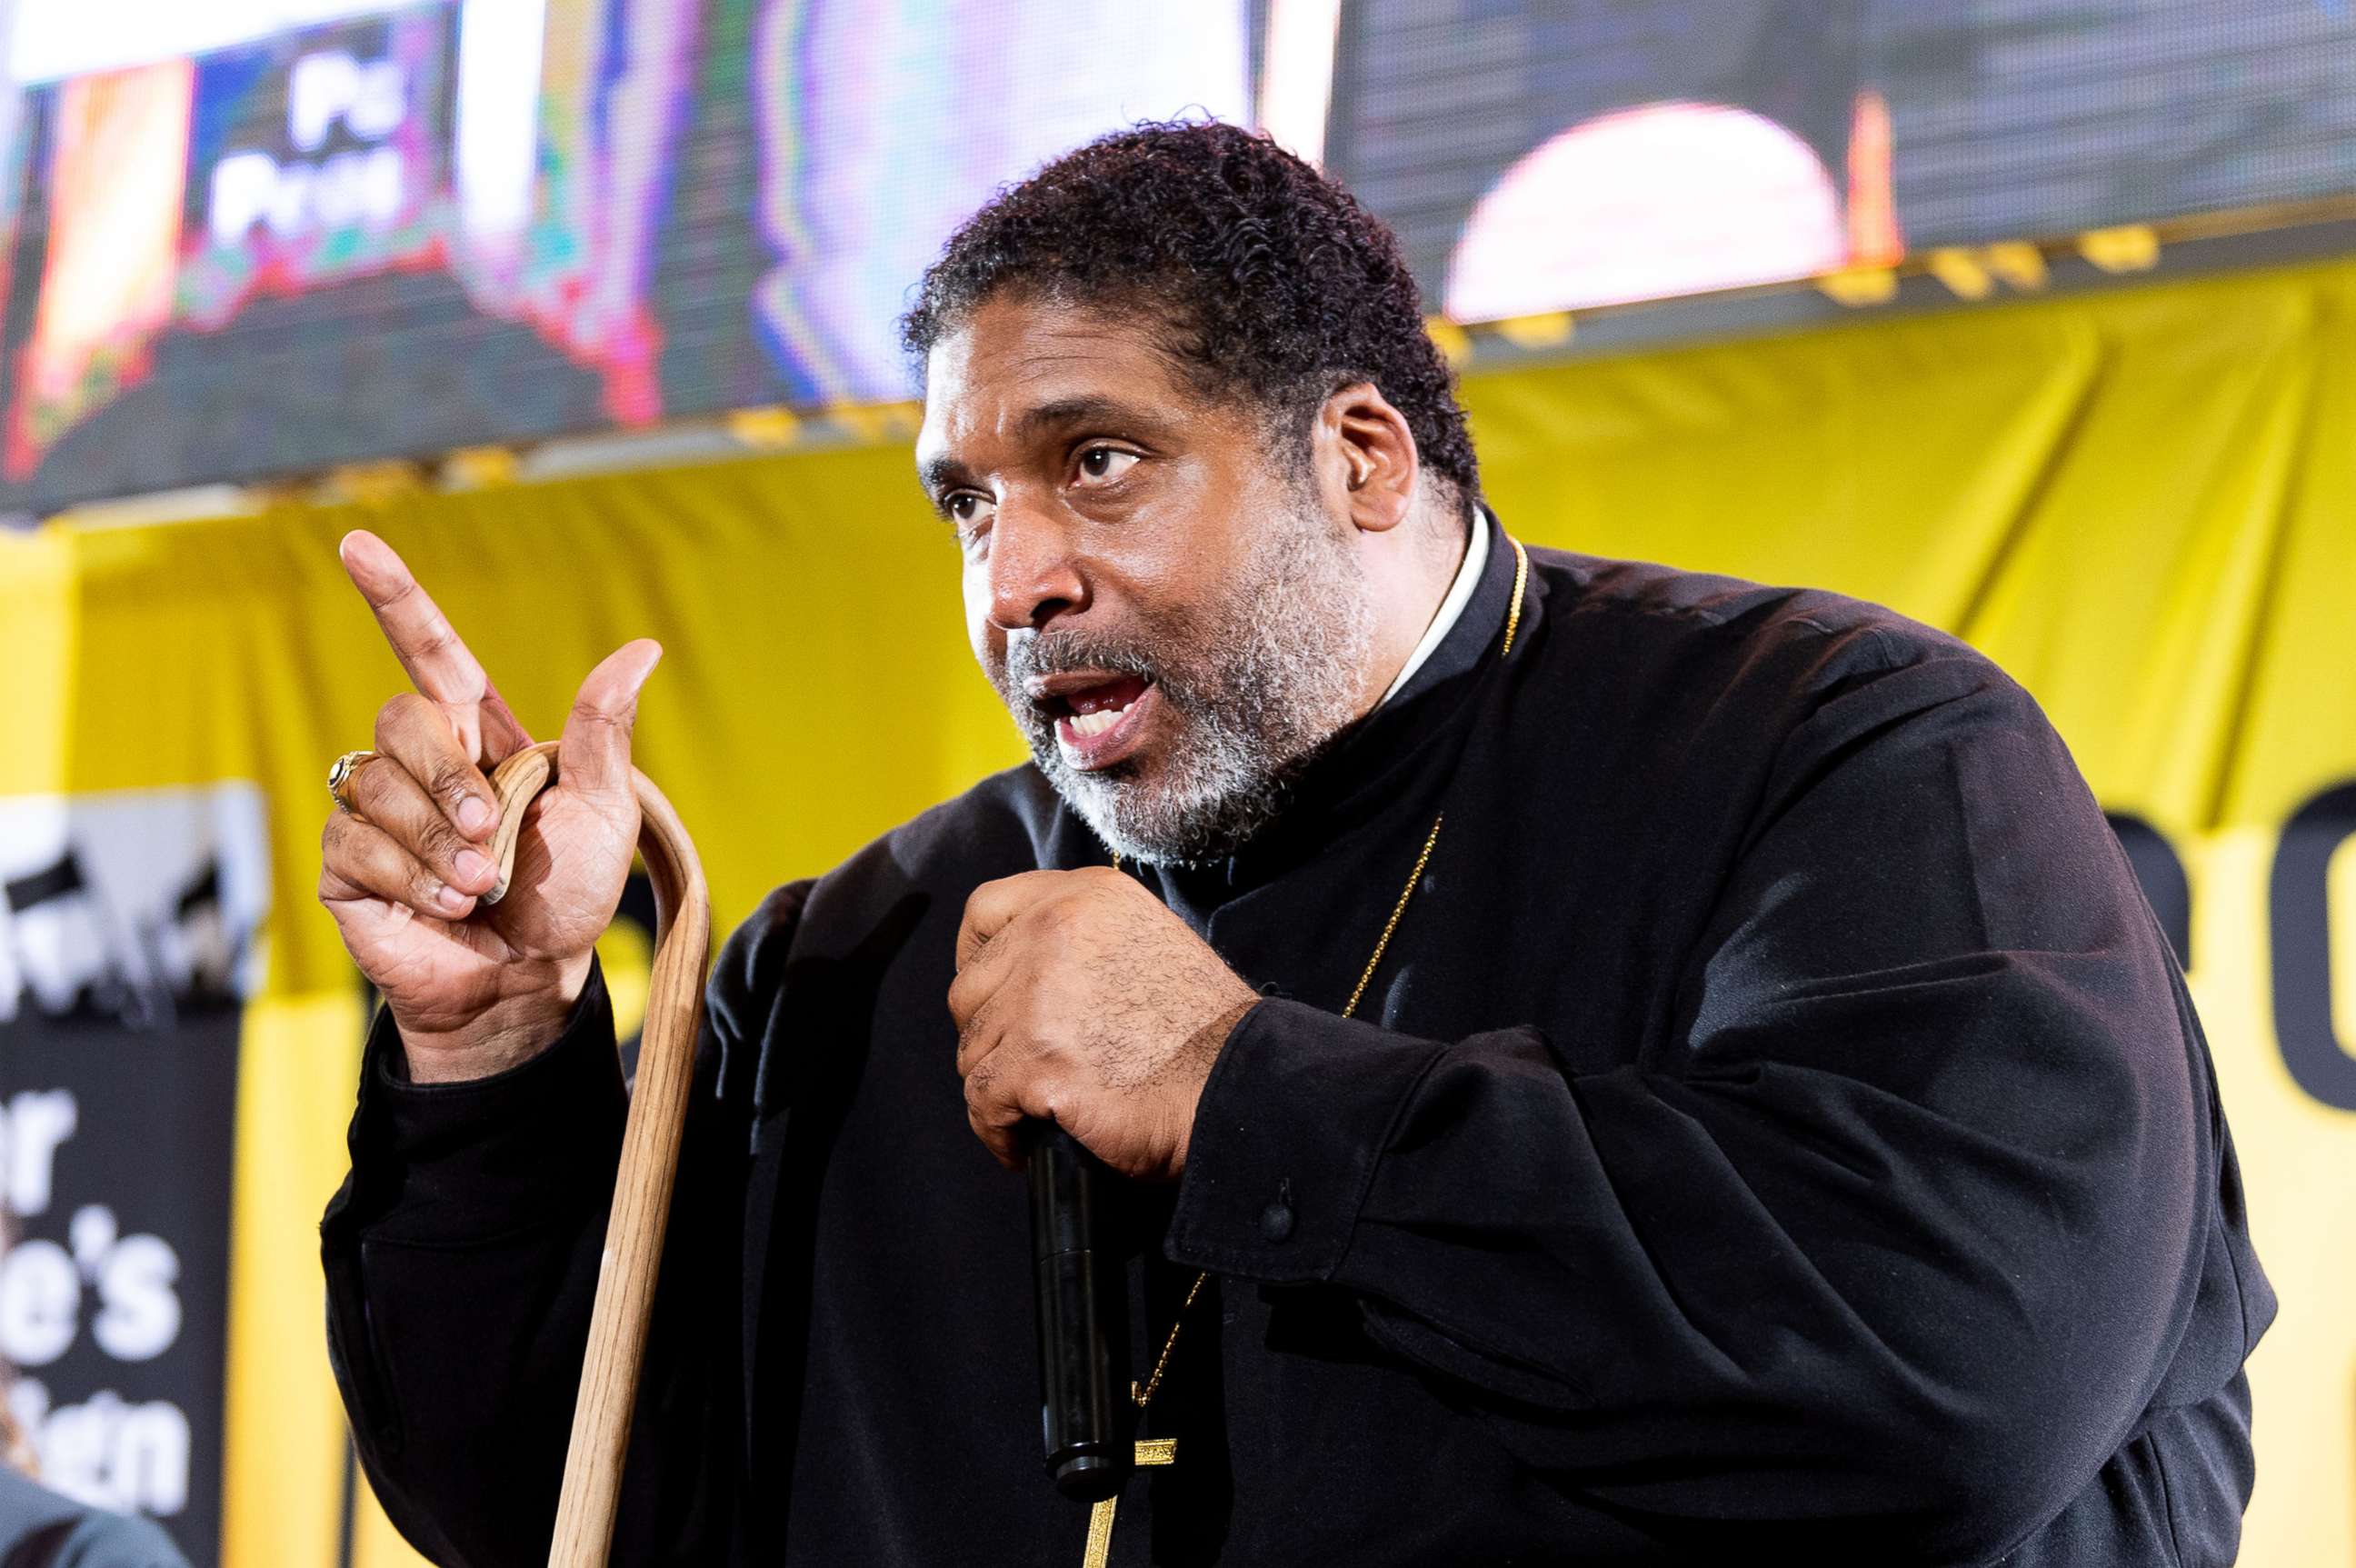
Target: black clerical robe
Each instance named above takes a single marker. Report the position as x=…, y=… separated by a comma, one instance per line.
x=1777, y=1122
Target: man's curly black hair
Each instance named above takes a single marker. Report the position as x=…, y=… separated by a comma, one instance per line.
x=1276, y=285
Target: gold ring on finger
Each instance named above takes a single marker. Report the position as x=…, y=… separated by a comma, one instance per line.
x=340, y=774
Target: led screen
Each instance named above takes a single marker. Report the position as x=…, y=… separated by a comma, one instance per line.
x=257, y=237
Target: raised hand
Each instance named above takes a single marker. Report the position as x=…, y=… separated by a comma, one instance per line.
x=473, y=987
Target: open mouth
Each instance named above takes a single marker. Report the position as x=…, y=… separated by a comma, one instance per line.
x=1097, y=724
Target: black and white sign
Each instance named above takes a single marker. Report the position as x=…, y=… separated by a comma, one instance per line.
x=127, y=927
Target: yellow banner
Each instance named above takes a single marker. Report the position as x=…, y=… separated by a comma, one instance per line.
x=2140, y=502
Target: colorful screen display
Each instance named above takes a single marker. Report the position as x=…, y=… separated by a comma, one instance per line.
x=260, y=237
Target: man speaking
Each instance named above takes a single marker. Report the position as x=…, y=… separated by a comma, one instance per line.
x=1612, y=1065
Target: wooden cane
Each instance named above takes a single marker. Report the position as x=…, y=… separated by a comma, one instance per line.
x=650, y=1139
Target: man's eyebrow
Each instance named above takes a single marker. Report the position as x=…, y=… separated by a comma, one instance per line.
x=1087, y=409
x=943, y=473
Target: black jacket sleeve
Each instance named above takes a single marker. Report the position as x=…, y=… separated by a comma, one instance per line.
x=1900, y=1225
x=461, y=1259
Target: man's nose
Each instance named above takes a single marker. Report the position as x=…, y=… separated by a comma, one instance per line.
x=1034, y=573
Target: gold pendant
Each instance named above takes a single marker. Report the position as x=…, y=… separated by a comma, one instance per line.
x=1152, y=1451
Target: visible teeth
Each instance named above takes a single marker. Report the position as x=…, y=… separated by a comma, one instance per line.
x=1096, y=723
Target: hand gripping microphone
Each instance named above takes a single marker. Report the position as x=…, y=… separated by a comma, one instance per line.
x=1083, y=1306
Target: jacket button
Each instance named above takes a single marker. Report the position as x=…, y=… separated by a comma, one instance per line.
x=1276, y=1222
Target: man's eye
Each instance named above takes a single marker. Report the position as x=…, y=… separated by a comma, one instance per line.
x=1105, y=463
x=965, y=509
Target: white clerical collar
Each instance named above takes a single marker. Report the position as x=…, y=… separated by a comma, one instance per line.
x=1459, y=594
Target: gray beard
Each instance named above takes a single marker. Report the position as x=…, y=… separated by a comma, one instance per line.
x=1258, y=691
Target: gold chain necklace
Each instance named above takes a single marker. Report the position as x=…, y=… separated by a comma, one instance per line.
x=1164, y=1450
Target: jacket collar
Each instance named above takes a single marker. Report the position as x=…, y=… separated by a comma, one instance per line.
x=1393, y=761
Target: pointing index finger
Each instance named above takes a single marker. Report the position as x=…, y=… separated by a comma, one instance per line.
x=423, y=638
x=439, y=664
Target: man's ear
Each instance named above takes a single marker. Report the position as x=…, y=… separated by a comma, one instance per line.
x=1366, y=453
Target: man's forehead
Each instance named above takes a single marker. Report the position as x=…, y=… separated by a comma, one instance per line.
x=1016, y=373
x=1036, y=352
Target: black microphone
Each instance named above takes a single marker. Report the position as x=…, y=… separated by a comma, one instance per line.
x=1083, y=1307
